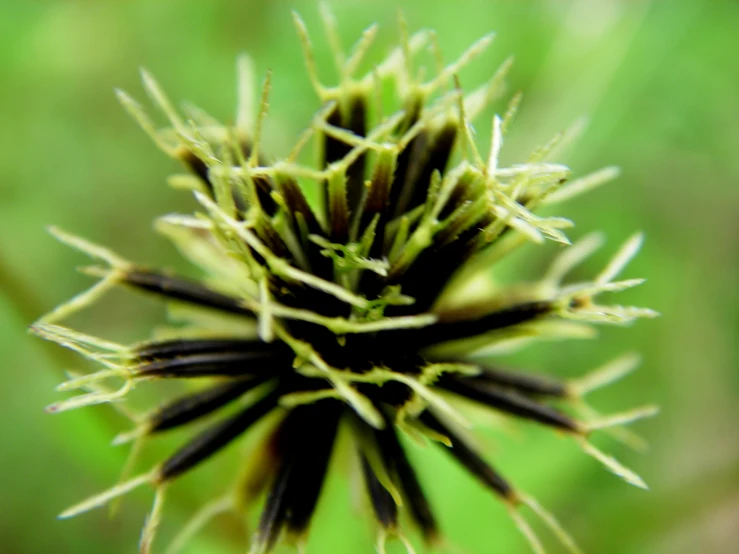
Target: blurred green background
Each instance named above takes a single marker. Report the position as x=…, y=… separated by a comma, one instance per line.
x=660, y=83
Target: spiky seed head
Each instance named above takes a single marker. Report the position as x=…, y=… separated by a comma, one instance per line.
x=364, y=308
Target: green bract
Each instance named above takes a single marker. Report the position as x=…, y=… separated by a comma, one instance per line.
x=369, y=309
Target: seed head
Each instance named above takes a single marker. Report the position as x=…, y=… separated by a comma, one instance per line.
x=369, y=308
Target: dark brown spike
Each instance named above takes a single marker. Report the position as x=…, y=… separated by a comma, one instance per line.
x=381, y=183
x=334, y=149
x=315, y=452
x=469, y=188
x=448, y=330
x=428, y=152
x=272, y=519
x=383, y=504
x=338, y=208
x=413, y=109
x=320, y=265
x=263, y=185
x=185, y=290
x=467, y=206
x=434, y=157
x=510, y=402
x=357, y=122
x=377, y=201
x=267, y=233
x=216, y=437
x=182, y=347
x=303, y=444
x=303, y=223
x=525, y=383
x=428, y=275
x=468, y=457
x=425, y=279
x=401, y=193
x=404, y=475
x=296, y=203
x=214, y=364
x=264, y=188
x=351, y=114
x=194, y=406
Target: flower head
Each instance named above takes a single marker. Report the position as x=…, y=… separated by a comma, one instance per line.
x=369, y=309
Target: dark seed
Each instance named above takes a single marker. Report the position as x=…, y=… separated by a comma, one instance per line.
x=177, y=288
x=194, y=406
x=353, y=118
x=216, y=437
x=304, y=442
x=461, y=329
x=213, y=364
x=385, y=509
x=467, y=457
x=525, y=383
x=314, y=451
x=510, y=402
x=434, y=157
x=183, y=347
x=400, y=468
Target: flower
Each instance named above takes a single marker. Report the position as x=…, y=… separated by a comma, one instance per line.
x=368, y=310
